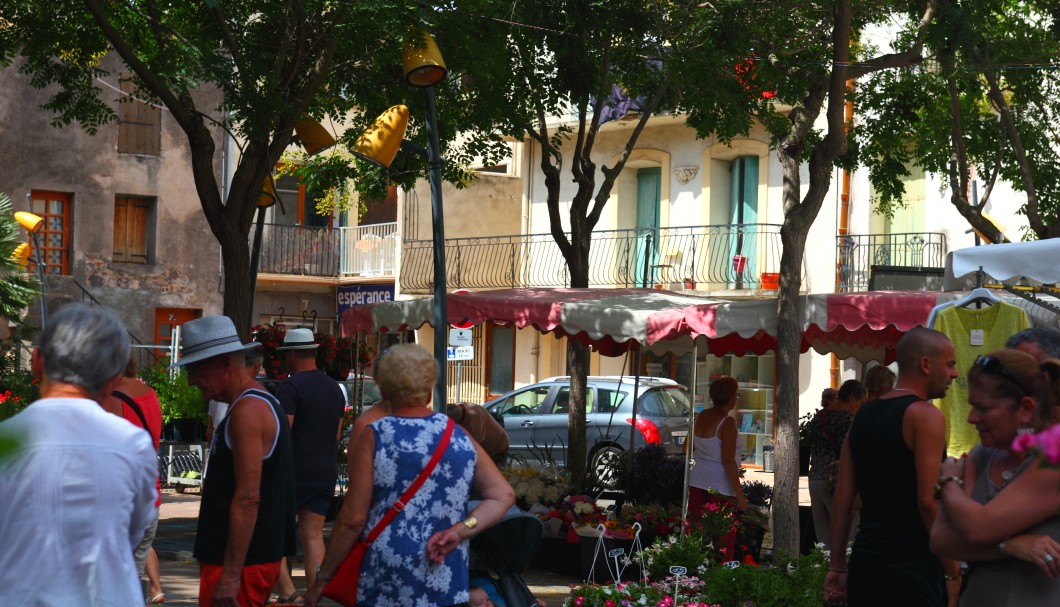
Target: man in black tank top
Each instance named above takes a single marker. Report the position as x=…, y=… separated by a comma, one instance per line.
x=246, y=517
x=891, y=458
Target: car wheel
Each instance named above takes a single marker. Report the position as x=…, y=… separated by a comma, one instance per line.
x=604, y=466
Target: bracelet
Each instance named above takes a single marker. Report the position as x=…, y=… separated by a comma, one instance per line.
x=950, y=578
x=942, y=483
x=837, y=570
x=322, y=577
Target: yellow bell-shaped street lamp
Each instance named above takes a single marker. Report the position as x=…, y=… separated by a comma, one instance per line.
x=313, y=135
x=379, y=144
x=32, y=223
x=21, y=255
x=421, y=59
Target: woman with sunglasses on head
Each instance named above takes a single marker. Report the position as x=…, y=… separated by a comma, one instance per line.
x=1000, y=507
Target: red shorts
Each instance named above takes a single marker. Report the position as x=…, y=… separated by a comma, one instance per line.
x=254, y=589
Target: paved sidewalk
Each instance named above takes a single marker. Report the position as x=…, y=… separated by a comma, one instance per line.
x=180, y=573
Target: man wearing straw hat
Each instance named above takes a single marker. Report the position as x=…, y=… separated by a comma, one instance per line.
x=246, y=517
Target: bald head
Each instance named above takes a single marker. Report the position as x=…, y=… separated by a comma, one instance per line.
x=918, y=343
x=927, y=363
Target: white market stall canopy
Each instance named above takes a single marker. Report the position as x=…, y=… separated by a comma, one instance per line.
x=1036, y=261
x=865, y=325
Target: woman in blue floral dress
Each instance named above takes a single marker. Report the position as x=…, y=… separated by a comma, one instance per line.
x=421, y=558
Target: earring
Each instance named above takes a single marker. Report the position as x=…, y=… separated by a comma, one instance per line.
x=1024, y=430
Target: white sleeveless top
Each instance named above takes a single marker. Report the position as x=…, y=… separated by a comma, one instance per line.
x=709, y=472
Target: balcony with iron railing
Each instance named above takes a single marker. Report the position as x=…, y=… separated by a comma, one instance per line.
x=298, y=250
x=719, y=257
x=858, y=253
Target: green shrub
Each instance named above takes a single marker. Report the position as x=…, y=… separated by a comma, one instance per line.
x=793, y=583
x=179, y=399
x=17, y=390
x=659, y=478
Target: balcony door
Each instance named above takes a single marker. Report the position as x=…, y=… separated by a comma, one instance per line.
x=649, y=186
x=743, y=215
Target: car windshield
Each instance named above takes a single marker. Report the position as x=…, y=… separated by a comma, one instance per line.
x=664, y=402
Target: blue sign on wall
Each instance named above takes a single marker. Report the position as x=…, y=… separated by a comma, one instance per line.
x=348, y=296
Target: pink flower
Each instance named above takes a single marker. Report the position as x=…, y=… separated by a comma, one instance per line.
x=579, y=601
x=1024, y=443
x=1046, y=443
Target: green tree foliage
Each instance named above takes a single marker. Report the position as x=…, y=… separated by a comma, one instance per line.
x=274, y=63
x=981, y=107
x=17, y=288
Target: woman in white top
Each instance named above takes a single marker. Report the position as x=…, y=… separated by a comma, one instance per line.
x=714, y=451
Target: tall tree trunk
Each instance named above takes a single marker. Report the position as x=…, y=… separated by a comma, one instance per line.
x=799, y=215
x=235, y=256
x=577, y=363
x=789, y=336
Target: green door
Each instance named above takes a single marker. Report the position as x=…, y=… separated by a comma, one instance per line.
x=649, y=192
x=743, y=216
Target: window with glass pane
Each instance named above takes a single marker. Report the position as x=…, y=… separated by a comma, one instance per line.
x=54, y=208
x=502, y=358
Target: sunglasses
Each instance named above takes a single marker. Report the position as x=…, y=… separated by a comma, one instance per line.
x=991, y=365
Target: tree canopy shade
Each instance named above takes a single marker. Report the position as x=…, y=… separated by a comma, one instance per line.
x=982, y=108
x=273, y=64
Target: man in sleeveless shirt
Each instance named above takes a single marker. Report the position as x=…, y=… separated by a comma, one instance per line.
x=246, y=517
x=892, y=457
x=314, y=404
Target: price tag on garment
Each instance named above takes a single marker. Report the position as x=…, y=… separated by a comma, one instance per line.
x=977, y=337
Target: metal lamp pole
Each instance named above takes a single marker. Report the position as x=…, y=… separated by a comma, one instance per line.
x=434, y=162
x=40, y=278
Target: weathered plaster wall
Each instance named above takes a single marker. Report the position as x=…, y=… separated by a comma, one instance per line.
x=185, y=268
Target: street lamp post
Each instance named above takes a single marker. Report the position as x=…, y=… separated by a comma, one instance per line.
x=265, y=200
x=424, y=68
x=34, y=224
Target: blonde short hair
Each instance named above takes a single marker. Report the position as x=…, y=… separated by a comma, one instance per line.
x=406, y=374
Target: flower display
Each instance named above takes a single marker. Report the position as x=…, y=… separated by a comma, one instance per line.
x=660, y=521
x=17, y=390
x=336, y=356
x=1045, y=444
x=792, y=583
x=534, y=486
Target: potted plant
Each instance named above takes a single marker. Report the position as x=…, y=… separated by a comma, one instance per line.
x=184, y=410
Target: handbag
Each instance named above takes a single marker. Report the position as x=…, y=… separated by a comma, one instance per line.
x=342, y=587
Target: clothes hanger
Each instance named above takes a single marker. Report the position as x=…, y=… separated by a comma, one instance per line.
x=979, y=295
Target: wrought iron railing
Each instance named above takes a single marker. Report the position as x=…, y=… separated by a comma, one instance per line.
x=330, y=252
x=370, y=250
x=744, y=256
x=857, y=253
x=299, y=250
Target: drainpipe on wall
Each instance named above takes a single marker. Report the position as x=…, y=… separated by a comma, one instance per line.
x=535, y=350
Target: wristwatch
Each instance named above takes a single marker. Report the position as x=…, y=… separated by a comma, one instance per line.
x=470, y=522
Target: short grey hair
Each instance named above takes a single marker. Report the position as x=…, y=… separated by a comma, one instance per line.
x=84, y=346
x=1048, y=340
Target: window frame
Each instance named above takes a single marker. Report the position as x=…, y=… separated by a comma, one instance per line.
x=120, y=252
x=65, y=234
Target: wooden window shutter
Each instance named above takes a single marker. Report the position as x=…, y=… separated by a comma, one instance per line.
x=130, y=229
x=139, y=124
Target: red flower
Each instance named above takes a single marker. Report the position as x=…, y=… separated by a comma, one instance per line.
x=749, y=560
